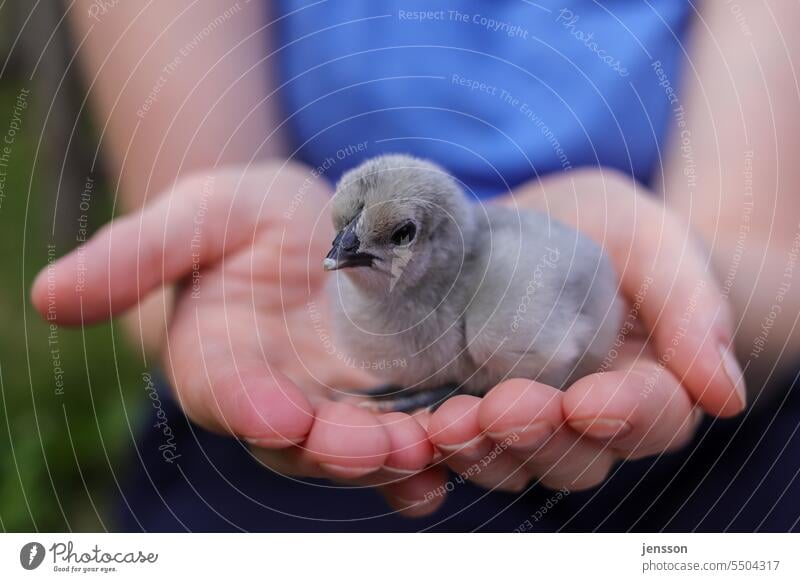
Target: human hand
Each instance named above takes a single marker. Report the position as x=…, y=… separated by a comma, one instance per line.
x=673, y=357
x=248, y=350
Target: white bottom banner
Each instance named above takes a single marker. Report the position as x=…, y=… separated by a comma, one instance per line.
x=401, y=557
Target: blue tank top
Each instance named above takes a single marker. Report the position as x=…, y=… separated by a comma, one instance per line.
x=498, y=92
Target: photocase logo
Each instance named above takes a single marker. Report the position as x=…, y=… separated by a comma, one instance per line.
x=31, y=555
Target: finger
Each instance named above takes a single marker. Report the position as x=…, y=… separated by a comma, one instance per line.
x=691, y=333
x=293, y=462
x=521, y=413
x=254, y=403
x=455, y=430
x=135, y=254
x=419, y=495
x=410, y=449
x=640, y=411
x=660, y=265
x=423, y=417
x=567, y=461
x=179, y=232
x=347, y=441
x=495, y=469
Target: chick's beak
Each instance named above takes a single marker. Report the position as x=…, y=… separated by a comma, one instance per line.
x=344, y=251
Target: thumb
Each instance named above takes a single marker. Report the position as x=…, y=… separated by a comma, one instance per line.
x=136, y=254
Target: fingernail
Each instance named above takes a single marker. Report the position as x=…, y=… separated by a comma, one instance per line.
x=401, y=472
x=348, y=472
x=528, y=436
x=517, y=486
x=470, y=450
x=601, y=428
x=734, y=372
x=273, y=442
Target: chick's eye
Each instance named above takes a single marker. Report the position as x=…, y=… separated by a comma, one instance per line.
x=404, y=234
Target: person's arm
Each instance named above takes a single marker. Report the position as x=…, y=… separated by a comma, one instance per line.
x=176, y=88
x=737, y=179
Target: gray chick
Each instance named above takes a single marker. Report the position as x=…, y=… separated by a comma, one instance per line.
x=438, y=296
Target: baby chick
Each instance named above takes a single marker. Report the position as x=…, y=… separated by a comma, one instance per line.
x=438, y=295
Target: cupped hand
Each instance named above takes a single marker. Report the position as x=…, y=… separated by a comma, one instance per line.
x=671, y=362
x=249, y=351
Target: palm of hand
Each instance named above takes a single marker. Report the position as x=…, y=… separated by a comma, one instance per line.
x=259, y=310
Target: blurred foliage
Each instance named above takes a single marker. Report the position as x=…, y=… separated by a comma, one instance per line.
x=60, y=454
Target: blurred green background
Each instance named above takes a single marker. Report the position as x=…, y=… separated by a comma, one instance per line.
x=61, y=451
